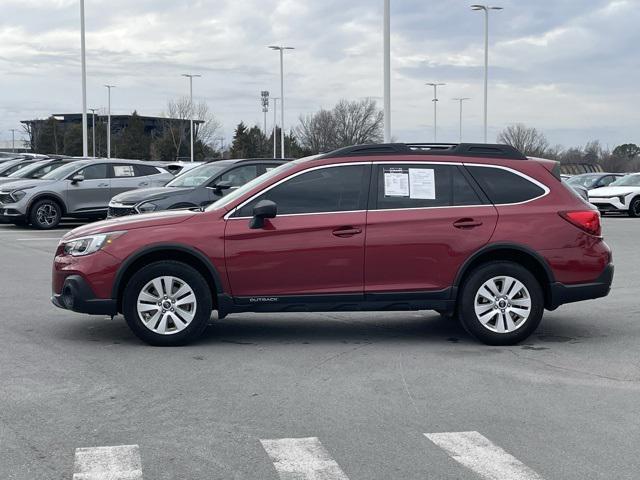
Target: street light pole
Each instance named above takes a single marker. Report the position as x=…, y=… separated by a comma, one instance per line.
x=275, y=129
x=93, y=129
x=485, y=9
x=109, y=87
x=85, y=146
x=281, y=49
x=264, y=99
x=435, y=108
x=387, y=70
x=191, y=109
x=461, y=100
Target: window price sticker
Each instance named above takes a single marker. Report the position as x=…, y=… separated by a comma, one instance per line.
x=396, y=183
x=422, y=185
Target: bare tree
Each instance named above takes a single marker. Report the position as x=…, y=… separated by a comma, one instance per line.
x=348, y=123
x=528, y=140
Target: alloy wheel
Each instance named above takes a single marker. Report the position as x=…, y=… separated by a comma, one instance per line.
x=47, y=214
x=166, y=305
x=502, y=304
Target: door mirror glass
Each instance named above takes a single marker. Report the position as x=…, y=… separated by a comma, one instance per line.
x=77, y=178
x=263, y=209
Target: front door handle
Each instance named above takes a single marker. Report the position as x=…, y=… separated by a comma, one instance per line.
x=466, y=223
x=346, y=231
x=103, y=184
x=143, y=184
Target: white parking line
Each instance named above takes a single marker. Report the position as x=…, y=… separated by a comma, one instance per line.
x=108, y=463
x=36, y=239
x=477, y=453
x=302, y=459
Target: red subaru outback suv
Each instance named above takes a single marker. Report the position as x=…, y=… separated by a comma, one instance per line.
x=479, y=231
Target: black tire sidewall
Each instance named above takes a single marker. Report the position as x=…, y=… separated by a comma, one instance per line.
x=466, y=310
x=633, y=204
x=33, y=214
x=179, y=270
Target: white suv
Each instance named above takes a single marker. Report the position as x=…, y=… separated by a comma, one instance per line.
x=623, y=195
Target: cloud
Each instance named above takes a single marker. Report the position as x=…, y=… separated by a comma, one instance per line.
x=569, y=70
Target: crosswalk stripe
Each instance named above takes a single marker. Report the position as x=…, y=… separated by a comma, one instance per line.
x=477, y=453
x=302, y=459
x=108, y=463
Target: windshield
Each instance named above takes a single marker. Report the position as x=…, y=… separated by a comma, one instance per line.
x=628, y=181
x=226, y=200
x=197, y=176
x=586, y=181
x=11, y=166
x=64, y=172
x=26, y=171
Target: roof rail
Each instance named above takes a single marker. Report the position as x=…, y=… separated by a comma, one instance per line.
x=457, y=149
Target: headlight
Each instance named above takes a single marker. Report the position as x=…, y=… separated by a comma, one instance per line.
x=79, y=247
x=146, y=207
x=18, y=195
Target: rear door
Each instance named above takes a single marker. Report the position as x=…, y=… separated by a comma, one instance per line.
x=124, y=178
x=91, y=194
x=424, y=221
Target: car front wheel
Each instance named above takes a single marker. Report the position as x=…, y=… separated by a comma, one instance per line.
x=501, y=303
x=167, y=303
x=634, y=208
x=45, y=214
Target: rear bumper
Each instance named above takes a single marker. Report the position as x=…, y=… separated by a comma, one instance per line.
x=77, y=296
x=561, y=293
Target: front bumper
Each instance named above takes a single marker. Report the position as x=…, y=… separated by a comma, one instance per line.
x=561, y=293
x=612, y=204
x=76, y=295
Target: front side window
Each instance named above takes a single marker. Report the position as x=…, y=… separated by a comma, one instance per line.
x=197, y=176
x=94, y=172
x=423, y=186
x=325, y=190
x=505, y=187
x=239, y=176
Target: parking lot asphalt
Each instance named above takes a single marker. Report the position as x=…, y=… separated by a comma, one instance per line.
x=332, y=395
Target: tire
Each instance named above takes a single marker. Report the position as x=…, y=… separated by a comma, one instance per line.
x=45, y=214
x=501, y=326
x=634, y=208
x=181, y=324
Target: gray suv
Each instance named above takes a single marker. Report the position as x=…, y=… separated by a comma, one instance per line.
x=81, y=189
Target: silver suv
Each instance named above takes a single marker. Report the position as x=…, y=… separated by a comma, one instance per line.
x=81, y=189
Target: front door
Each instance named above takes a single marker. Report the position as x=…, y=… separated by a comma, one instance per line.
x=424, y=221
x=314, y=246
x=92, y=194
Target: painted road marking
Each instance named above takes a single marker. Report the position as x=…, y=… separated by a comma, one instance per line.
x=36, y=239
x=302, y=459
x=108, y=463
x=477, y=453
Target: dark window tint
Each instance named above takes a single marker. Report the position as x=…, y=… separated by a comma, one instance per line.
x=144, y=170
x=94, y=172
x=503, y=186
x=418, y=186
x=333, y=189
x=240, y=175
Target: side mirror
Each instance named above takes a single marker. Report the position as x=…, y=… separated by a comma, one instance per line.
x=221, y=186
x=77, y=178
x=263, y=209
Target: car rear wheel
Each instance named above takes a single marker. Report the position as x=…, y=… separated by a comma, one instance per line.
x=634, y=208
x=501, y=303
x=167, y=303
x=45, y=214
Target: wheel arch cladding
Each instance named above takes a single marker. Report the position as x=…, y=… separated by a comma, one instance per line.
x=512, y=253
x=179, y=253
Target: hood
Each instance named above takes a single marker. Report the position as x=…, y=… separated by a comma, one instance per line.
x=22, y=184
x=132, y=222
x=133, y=197
x=612, y=191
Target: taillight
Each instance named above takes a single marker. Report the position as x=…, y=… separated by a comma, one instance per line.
x=586, y=220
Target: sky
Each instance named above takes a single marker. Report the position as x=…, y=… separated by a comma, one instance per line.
x=570, y=68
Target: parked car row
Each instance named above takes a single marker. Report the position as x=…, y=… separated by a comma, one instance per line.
x=40, y=192
x=610, y=192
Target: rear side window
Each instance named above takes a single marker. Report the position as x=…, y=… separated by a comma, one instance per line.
x=422, y=186
x=504, y=187
x=144, y=170
x=123, y=171
x=333, y=189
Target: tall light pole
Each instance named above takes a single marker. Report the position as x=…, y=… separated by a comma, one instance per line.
x=109, y=87
x=435, y=107
x=485, y=9
x=191, y=109
x=93, y=129
x=275, y=128
x=13, y=140
x=281, y=49
x=85, y=143
x=264, y=98
x=387, y=70
x=461, y=100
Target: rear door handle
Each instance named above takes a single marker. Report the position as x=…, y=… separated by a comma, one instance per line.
x=346, y=231
x=103, y=184
x=143, y=184
x=465, y=223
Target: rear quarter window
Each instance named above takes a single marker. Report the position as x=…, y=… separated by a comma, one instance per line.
x=503, y=186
